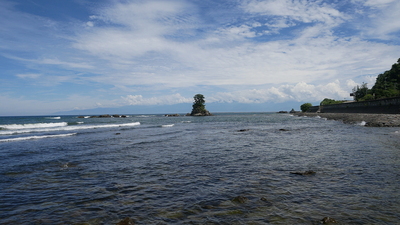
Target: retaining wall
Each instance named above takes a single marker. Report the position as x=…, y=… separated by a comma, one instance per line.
x=382, y=106
x=313, y=109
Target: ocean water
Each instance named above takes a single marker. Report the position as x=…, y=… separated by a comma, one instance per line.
x=192, y=170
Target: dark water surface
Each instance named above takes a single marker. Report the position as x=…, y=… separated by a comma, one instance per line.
x=187, y=170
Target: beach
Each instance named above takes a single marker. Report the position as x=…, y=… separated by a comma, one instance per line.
x=370, y=120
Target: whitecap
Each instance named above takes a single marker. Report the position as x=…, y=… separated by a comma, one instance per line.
x=53, y=118
x=168, y=125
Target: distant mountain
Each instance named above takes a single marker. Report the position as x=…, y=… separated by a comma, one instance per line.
x=186, y=108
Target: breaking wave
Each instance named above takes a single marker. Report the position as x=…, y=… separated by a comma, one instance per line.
x=32, y=126
x=47, y=127
x=362, y=123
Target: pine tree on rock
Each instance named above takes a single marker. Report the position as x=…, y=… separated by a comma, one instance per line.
x=199, y=109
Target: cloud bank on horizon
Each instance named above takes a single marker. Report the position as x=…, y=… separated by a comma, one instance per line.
x=66, y=55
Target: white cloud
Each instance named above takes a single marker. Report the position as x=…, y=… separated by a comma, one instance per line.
x=141, y=57
x=55, y=61
x=351, y=84
x=300, y=92
x=238, y=32
x=383, y=23
x=77, y=63
x=162, y=100
x=303, y=11
x=141, y=28
x=90, y=24
x=379, y=3
x=29, y=76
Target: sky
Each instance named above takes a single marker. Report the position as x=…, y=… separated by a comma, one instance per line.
x=58, y=56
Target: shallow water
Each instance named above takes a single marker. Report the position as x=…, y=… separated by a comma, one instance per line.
x=189, y=173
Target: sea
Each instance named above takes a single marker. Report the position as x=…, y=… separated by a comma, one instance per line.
x=230, y=168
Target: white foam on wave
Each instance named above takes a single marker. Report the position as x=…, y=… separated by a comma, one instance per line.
x=53, y=118
x=188, y=121
x=363, y=123
x=168, y=125
x=32, y=125
x=65, y=127
x=36, y=137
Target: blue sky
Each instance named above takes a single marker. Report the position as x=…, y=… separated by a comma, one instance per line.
x=58, y=55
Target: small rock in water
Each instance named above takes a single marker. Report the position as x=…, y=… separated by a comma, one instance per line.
x=239, y=199
x=308, y=172
x=117, y=133
x=283, y=130
x=243, y=130
x=126, y=221
x=328, y=220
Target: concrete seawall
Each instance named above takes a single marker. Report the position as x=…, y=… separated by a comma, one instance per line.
x=382, y=106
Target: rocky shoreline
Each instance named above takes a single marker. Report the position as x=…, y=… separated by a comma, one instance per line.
x=371, y=120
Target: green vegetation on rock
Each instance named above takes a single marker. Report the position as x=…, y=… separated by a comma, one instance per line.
x=199, y=108
x=328, y=101
x=305, y=107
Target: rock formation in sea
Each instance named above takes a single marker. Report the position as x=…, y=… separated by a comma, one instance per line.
x=199, y=109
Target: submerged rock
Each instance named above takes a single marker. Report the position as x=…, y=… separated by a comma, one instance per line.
x=308, y=172
x=126, y=221
x=328, y=220
x=239, y=199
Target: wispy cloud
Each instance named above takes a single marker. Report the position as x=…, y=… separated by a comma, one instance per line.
x=29, y=76
x=300, y=11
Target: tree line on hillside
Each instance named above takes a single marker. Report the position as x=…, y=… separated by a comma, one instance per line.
x=387, y=85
